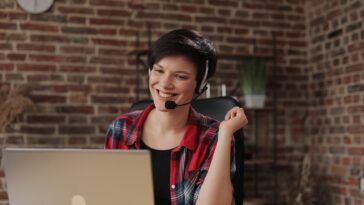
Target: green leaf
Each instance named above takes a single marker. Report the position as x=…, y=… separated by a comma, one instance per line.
x=253, y=75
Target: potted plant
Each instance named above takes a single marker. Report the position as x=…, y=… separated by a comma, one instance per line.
x=253, y=79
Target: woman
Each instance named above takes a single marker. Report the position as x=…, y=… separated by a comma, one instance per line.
x=191, y=153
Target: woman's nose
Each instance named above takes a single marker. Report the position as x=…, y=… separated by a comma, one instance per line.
x=166, y=82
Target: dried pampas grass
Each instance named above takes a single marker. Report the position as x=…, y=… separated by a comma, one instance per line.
x=13, y=102
x=305, y=187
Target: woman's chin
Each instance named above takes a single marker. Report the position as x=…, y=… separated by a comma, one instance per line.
x=161, y=106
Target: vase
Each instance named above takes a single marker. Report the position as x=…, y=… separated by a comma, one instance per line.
x=254, y=101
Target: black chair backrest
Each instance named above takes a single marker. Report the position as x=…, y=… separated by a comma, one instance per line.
x=217, y=108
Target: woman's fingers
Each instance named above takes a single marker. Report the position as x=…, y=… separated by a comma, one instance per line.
x=235, y=112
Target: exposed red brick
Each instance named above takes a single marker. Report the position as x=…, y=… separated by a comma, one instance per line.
x=106, y=21
x=188, y=8
x=78, y=99
x=8, y=26
x=3, y=15
x=38, y=130
x=211, y=19
x=114, y=12
x=69, y=49
x=48, y=98
x=49, y=38
x=16, y=56
x=40, y=77
x=36, y=47
x=15, y=140
x=98, y=79
x=108, y=109
x=109, y=42
x=77, y=140
x=223, y=3
x=5, y=46
x=102, y=119
x=75, y=10
x=48, y=17
x=106, y=61
x=46, y=58
x=79, y=30
x=6, y=67
x=117, y=71
x=45, y=119
x=77, y=19
x=111, y=89
x=45, y=141
x=356, y=151
x=106, y=99
x=77, y=69
x=112, y=52
x=107, y=3
x=39, y=27
x=4, y=195
x=76, y=130
x=107, y=31
x=75, y=109
x=14, y=77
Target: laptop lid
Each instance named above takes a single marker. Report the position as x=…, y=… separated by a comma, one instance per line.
x=78, y=177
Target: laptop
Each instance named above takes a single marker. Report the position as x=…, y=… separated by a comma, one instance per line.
x=78, y=177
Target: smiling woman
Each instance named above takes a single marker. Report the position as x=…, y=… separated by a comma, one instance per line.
x=192, y=156
x=171, y=79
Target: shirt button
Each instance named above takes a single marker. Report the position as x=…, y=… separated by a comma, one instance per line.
x=173, y=186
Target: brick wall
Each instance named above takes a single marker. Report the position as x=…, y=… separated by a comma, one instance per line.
x=75, y=55
x=336, y=85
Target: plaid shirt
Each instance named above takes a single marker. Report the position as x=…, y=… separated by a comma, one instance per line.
x=190, y=160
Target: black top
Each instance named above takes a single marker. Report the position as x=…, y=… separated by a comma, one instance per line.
x=161, y=160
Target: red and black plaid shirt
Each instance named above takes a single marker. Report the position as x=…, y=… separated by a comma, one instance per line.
x=190, y=160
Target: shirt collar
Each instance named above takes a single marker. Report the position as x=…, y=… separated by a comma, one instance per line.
x=189, y=139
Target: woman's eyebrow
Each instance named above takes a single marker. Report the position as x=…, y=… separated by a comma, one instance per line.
x=158, y=65
x=183, y=72
x=179, y=71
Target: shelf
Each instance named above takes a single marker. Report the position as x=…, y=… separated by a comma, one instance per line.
x=255, y=201
x=236, y=56
x=137, y=51
x=263, y=109
x=266, y=162
x=259, y=162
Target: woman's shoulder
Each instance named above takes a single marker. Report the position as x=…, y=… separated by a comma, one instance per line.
x=130, y=117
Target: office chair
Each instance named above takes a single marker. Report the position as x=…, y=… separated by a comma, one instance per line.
x=217, y=108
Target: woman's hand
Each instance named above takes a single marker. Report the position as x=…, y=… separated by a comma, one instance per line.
x=235, y=119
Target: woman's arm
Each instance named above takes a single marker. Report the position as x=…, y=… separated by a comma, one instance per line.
x=217, y=188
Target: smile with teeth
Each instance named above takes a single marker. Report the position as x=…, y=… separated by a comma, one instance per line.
x=165, y=95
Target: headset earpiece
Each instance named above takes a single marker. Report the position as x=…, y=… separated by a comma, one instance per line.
x=203, y=84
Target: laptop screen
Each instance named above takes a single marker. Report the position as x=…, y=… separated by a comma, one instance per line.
x=78, y=177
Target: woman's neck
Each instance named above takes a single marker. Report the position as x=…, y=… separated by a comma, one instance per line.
x=164, y=130
x=172, y=121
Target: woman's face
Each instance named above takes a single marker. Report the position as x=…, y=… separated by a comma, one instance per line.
x=173, y=78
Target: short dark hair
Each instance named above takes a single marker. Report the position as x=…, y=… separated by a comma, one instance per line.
x=187, y=43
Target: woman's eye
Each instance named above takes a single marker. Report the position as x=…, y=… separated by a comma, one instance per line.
x=158, y=70
x=182, y=77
